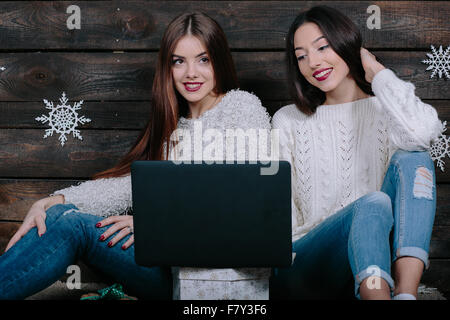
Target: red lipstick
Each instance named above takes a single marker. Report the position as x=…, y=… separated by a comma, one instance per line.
x=322, y=74
x=192, y=86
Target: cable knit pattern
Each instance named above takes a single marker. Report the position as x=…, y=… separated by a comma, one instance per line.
x=325, y=170
x=346, y=141
x=342, y=151
x=302, y=166
x=382, y=143
x=112, y=196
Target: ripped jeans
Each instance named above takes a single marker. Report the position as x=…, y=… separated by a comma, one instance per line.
x=365, y=237
x=34, y=262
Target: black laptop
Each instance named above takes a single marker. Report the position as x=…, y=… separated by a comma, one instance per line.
x=211, y=215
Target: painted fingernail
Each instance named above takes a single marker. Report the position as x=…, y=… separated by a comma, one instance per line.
x=98, y=225
x=101, y=238
x=110, y=244
x=123, y=247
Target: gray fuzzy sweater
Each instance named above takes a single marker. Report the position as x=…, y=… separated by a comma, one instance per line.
x=238, y=109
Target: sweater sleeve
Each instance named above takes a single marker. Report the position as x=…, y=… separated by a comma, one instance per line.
x=101, y=197
x=413, y=124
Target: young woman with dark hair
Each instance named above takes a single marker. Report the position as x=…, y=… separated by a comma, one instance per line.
x=195, y=82
x=363, y=183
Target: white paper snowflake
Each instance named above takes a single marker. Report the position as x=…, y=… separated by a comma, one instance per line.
x=439, y=62
x=63, y=119
x=440, y=148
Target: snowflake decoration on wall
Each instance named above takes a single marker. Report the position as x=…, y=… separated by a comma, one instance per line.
x=439, y=62
x=63, y=119
x=440, y=148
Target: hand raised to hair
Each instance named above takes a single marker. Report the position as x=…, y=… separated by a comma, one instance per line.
x=370, y=64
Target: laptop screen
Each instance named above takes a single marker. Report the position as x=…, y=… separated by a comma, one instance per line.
x=211, y=215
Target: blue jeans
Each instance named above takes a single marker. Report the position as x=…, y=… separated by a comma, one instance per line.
x=34, y=263
x=365, y=237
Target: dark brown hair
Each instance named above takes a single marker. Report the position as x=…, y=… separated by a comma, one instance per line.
x=343, y=37
x=167, y=104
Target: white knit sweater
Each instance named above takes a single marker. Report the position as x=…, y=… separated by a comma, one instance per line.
x=238, y=109
x=342, y=151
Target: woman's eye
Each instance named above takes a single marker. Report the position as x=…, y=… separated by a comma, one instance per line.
x=324, y=47
x=300, y=58
x=177, y=61
x=204, y=60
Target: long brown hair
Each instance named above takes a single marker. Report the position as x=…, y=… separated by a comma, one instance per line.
x=167, y=104
x=345, y=39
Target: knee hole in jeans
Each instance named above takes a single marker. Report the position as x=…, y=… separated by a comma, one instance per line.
x=423, y=183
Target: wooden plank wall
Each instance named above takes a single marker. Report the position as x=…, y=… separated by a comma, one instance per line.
x=109, y=63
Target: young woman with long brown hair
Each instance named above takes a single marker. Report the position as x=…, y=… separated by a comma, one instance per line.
x=195, y=82
x=363, y=183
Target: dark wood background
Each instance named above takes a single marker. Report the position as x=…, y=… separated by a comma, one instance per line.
x=110, y=62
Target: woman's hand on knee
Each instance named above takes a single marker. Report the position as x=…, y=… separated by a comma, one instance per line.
x=123, y=224
x=35, y=218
